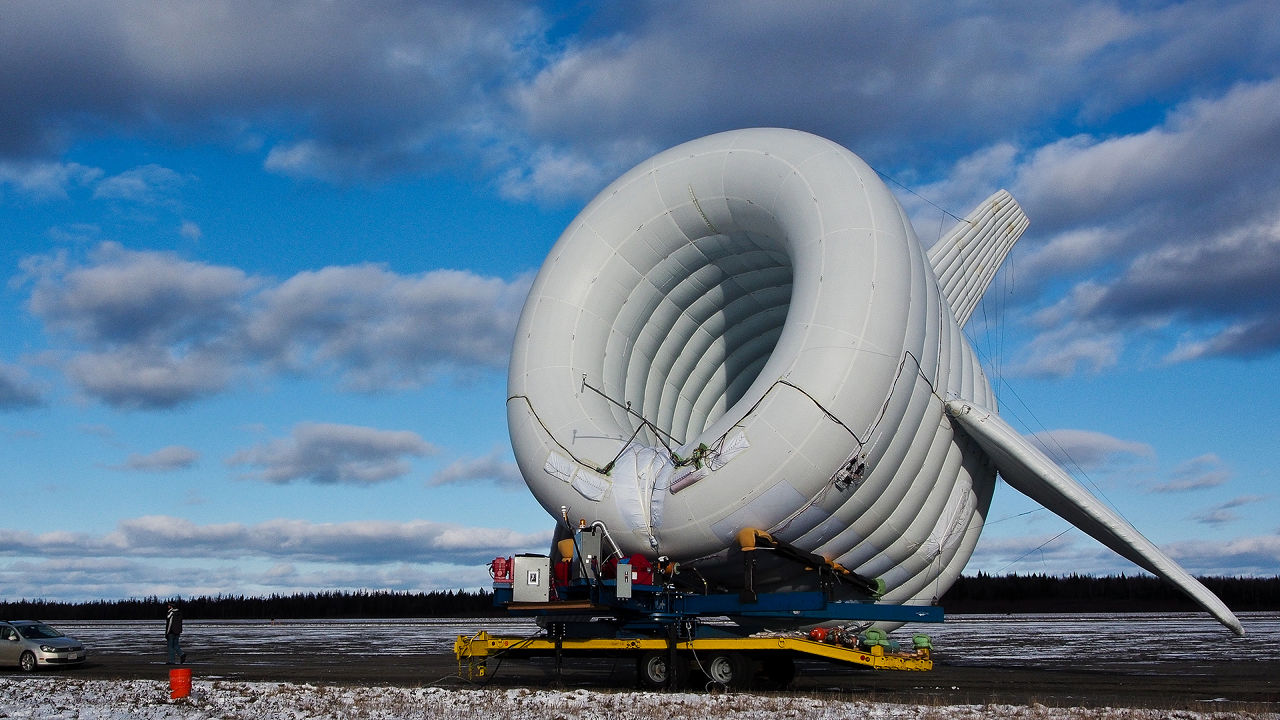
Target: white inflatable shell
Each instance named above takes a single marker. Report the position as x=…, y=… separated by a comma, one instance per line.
x=764, y=288
x=744, y=332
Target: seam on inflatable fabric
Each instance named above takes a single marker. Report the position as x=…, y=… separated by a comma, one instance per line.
x=698, y=207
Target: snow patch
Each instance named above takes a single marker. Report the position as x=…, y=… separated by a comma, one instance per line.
x=62, y=697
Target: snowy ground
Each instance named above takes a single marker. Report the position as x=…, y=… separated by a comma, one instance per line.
x=1159, y=645
x=1163, y=640
x=59, y=697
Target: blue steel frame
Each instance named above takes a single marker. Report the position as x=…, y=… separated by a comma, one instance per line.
x=661, y=604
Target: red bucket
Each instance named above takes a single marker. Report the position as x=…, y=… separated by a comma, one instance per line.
x=180, y=683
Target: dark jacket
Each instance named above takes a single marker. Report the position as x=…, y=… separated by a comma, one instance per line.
x=173, y=622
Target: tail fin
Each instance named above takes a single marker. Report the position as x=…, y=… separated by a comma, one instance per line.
x=1031, y=472
x=967, y=258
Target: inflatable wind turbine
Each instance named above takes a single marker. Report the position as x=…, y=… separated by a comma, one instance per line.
x=744, y=333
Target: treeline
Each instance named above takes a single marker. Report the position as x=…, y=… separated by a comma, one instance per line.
x=362, y=604
x=980, y=593
x=984, y=593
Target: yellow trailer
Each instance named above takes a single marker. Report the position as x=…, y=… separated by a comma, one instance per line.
x=730, y=661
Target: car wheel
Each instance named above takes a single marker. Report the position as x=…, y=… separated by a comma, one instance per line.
x=27, y=661
x=731, y=670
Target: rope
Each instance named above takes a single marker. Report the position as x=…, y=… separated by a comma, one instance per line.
x=698, y=453
x=1035, y=549
x=941, y=209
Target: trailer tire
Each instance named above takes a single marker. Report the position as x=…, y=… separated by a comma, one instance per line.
x=653, y=668
x=730, y=669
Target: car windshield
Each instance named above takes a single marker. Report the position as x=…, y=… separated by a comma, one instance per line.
x=37, y=631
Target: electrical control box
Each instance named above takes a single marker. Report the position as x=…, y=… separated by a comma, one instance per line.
x=624, y=579
x=531, y=579
x=588, y=548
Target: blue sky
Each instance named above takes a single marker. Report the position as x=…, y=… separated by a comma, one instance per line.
x=262, y=261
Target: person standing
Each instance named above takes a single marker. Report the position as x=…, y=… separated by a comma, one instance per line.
x=172, y=631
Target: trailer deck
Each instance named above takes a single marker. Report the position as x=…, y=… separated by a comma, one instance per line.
x=631, y=607
x=475, y=652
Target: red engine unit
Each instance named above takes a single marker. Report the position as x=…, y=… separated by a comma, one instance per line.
x=500, y=569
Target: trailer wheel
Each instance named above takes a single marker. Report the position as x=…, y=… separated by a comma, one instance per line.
x=779, y=670
x=732, y=670
x=653, y=670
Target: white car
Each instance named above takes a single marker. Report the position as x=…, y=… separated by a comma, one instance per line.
x=29, y=644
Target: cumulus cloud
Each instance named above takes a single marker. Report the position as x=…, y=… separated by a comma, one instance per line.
x=44, y=180
x=556, y=110
x=123, y=297
x=1035, y=553
x=146, y=184
x=173, y=457
x=17, y=388
x=190, y=230
x=1244, y=556
x=1206, y=149
x=379, y=329
x=147, y=377
x=1258, y=555
x=284, y=540
x=163, y=556
x=329, y=454
x=403, y=76
x=1067, y=349
x=1171, y=227
x=1225, y=513
x=493, y=468
x=90, y=579
x=1205, y=471
x=1089, y=450
x=654, y=76
x=152, y=330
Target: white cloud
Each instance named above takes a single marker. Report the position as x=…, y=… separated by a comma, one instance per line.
x=378, y=99
x=1205, y=471
x=1225, y=513
x=46, y=180
x=555, y=175
x=122, y=296
x=1258, y=555
x=173, y=457
x=1068, y=252
x=148, y=378
x=1088, y=449
x=146, y=184
x=152, y=330
x=378, y=329
x=1204, y=149
x=190, y=230
x=1243, y=556
x=408, y=80
x=17, y=388
x=90, y=579
x=1069, y=349
x=1176, y=223
x=1045, y=554
x=328, y=454
x=493, y=468
x=281, y=540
